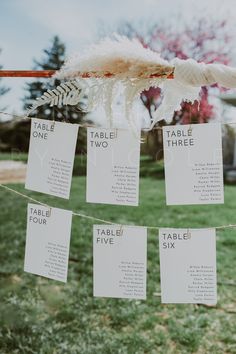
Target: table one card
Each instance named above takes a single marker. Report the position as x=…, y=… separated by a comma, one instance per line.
x=193, y=164
x=112, y=166
x=188, y=266
x=47, y=241
x=51, y=157
x=119, y=261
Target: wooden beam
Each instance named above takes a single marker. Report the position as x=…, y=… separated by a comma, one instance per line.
x=50, y=73
x=26, y=73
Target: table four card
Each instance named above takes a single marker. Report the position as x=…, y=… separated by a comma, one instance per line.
x=47, y=241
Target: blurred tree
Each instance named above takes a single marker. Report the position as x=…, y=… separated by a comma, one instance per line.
x=15, y=135
x=53, y=59
x=3, y=89
x=205, y=41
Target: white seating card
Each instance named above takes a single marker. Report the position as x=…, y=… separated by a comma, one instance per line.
x=188, y=266
x=119, y=261
x=51, y=157
x=112, y=166
x=47, y=241
x=193, y=164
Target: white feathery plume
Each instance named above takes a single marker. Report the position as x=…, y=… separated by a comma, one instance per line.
x=125, y=66
x=113, y=65
x=120, y=57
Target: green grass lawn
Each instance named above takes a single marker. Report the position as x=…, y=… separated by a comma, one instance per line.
x=38, y=315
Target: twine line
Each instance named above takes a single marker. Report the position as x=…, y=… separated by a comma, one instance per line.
x=221, y=227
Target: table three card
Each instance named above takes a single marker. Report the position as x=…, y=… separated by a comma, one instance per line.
x=193, y=164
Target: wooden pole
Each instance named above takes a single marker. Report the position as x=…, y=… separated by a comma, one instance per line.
x=50, y=73
x=26, y=73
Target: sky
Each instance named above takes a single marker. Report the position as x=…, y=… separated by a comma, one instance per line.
x=27, y=27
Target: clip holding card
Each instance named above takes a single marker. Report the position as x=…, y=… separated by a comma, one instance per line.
x=190, y=128
x=189, y=234
x=121, y=230
x=49, y=212
x=53, y=118
x=53, y=123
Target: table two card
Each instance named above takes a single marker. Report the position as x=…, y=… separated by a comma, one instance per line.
x=119, y=261
x=47, y=241
x=188, y=266
x=51, y=157
x=193, y=164
x=112, y=166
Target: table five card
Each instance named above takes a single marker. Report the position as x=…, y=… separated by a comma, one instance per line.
x=47, y=241
x=188, y=266
x=119, y=261
x=193, y=164
x=51, y=157
x=112, y=166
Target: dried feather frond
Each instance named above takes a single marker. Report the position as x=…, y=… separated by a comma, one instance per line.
x=131, y=68
x=67, y=93
x=120, y=57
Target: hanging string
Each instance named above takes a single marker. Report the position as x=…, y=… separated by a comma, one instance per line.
x=25, y=117
x=87, y=125
x=221, y=227
x=23, y=195
x=49, y=207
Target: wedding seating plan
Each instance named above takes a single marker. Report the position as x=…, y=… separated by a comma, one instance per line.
x=118, y=70
x=119, y=261
x=112, y=166
x=193, y=175
x=47, y=241
x=188, y=266
x=51, y=157
x=193, y=164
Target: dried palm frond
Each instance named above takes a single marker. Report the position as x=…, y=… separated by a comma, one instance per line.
x=68, y=93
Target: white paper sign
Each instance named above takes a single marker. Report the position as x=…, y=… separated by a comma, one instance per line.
x=188, y=266
x=119, y=261
x=112, y=166
x=193, y=164
x=47, y=241
x=51, y=157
